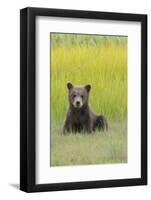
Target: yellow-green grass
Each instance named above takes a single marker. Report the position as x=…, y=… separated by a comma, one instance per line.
x=103, y=65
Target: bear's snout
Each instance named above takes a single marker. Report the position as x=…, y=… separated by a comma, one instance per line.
x=78, y=102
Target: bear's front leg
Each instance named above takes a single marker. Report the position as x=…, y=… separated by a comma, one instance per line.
x=67, y=126
x=88, y=127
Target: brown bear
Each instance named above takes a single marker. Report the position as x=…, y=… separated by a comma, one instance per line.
x=80, y=117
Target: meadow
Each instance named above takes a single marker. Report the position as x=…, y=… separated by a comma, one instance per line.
x=102, y=62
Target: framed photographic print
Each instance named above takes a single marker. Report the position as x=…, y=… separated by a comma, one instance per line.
x=83, y=99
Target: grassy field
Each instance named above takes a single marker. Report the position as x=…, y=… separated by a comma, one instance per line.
x=102, y=62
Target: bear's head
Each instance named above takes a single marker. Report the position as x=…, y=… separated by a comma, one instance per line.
x=78, y=96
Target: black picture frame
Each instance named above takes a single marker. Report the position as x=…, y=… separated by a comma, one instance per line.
x=28, y=99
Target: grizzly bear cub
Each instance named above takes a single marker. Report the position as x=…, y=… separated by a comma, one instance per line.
x=80, y=117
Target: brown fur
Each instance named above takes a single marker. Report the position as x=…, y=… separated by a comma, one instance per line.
x=80, y=117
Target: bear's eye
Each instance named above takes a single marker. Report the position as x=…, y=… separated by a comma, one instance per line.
x=82, y=96
x=74, y=96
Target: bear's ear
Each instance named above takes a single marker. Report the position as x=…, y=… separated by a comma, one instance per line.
x=88, y=87
x=69, y=85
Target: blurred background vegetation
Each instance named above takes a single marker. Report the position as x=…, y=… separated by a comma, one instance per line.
x=102, y=62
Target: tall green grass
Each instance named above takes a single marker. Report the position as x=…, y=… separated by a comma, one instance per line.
x=68, y=40
x=81, y=59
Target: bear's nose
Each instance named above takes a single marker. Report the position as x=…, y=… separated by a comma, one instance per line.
x=78, y=103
